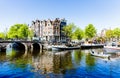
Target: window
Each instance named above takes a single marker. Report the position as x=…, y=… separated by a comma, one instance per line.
x=48, y=24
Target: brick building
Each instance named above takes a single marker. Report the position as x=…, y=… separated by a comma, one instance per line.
x=49, y=29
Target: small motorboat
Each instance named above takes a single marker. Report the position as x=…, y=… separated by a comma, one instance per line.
x=101, y=54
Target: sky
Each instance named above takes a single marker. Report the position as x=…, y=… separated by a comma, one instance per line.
x=101, y=13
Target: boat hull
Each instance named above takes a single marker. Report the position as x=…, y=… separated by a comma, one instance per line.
x=99, y=55
x=111, y=49
x=65, y=48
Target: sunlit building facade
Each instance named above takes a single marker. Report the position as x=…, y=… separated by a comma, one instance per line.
x=49, y=29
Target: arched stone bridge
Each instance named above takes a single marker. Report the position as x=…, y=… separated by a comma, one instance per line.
x=28, y=45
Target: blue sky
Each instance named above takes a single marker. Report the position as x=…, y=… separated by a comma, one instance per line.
x=100, y=13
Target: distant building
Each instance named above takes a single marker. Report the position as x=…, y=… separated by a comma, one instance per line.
x=103, y=33
x=49, y=29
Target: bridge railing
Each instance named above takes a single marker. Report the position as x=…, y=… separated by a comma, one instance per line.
x=11, y=41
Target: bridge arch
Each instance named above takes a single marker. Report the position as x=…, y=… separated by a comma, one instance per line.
x=15, y=49
x=36, y=48
x=26, y=49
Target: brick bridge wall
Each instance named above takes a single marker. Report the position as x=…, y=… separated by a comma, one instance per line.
x=27, y=44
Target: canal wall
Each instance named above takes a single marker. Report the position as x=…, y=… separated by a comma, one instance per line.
x=33, y=46
x=28, y=46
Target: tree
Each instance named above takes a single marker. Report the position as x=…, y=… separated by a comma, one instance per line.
x=69, y=29
x=78, y=34
x=13, y=32
x=109, y=34
x=90, y=31
x=18, y=31
x=31, y=34
x=101, y=39
x=2, y=35
x=23, y=32
x=116, y=33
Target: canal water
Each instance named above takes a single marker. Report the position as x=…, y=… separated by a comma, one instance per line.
x=63, y=64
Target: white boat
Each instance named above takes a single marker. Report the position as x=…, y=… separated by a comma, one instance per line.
x=112, y=48
x=99, y=54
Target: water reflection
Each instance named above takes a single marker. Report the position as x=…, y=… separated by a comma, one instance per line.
x=62, y=61
x=13, y=53
x=20, y=62
x=50, y=62
x=63, y=64
x=2, y=56
x=90, y=62
x=78, y=56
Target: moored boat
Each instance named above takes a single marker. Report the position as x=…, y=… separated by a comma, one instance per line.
x=64, y=48
x=111, y=48
x=99, y=54
x=89, y=46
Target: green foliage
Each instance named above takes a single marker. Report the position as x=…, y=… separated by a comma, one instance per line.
x=116, y=32
x=2, y=35
x=74, y=37
x=31, y=34
x=13, y=32
x=90, y=31
x=23, y=31
x=101, y=39
x=78, y=34
x=69, y=29
x=18, y=31
x=109, y=34
x=72, y=32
